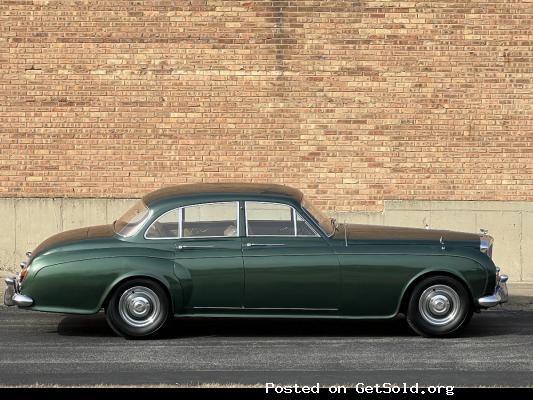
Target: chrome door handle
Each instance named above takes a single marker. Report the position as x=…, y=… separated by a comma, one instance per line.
x=264, y=244
x=189, y=247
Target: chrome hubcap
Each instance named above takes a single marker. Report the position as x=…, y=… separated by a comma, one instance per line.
x=139, y=306
x=439, y=304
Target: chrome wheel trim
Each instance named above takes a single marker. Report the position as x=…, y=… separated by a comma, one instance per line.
x=139, y=306
x=439, y=305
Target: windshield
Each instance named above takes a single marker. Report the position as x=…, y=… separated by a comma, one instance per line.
x=132, y=219
x=323, y=220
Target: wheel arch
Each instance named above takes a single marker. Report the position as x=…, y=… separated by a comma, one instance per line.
x=122, y=279
x=427, y=274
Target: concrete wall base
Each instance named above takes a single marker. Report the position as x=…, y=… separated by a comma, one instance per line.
x=26, y=222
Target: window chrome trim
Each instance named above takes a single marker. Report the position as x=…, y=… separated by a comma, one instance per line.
x=316, y=234
x=180, y=211
x=312, y=217
x=182, y=214
x=295, y=226
x=180, y=222
x=161, y=216
x=139, y=227
x=294, y=213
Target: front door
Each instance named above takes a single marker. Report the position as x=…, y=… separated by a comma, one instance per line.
x=289, y=267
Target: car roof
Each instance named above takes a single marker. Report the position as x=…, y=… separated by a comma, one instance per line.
x=195, y=189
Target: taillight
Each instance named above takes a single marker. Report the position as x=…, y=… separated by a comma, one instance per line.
x=24, y=266
x=23, y=270
x=22, y=274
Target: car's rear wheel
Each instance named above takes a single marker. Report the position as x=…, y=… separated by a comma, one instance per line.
x=137, y=308
x=439, y=306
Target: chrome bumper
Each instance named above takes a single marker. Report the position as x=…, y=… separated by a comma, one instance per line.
x=499, y=296
x=12, y=297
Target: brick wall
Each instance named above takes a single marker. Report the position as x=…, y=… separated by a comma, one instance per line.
x=354, y=102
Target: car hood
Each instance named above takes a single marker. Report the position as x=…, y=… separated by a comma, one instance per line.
x=74, y=235
x=357, y=232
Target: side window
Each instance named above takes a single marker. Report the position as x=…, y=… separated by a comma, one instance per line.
x=303, y=228
x=274, y=219
x=212, y=219
x=166, y=226
x=269, y=219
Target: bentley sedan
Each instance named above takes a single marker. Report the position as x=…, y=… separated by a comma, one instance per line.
x=253, y=250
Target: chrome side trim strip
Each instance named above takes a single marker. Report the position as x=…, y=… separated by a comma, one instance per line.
x=264, y=244
x=266, y=308
x=293, y=308
x=186, y=247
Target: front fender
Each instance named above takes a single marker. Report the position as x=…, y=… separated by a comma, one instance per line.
x=81, y=287
x=374, y=284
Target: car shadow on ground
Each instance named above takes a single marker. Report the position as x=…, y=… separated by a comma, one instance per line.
x=96, y=325
x=480, y=326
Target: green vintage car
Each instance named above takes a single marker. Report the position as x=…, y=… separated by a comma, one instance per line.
x=251, y=250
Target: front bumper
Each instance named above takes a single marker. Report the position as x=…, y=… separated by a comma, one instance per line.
x=499, y=296
x=12, y=296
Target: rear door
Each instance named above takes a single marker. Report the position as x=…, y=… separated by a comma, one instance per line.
x=207, y=254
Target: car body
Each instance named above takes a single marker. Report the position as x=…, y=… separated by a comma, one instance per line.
x=256, y=250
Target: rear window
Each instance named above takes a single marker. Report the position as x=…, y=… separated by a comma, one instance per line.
x=131, y=220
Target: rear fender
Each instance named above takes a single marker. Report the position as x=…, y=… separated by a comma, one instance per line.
x=82, y=287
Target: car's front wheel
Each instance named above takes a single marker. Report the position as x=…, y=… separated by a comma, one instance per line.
x=137, y=308
x=439, y=306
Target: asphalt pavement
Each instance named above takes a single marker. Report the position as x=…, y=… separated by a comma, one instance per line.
x=39, y=348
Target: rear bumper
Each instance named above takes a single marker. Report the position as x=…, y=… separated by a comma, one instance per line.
x=499, y=296
x=12, y=296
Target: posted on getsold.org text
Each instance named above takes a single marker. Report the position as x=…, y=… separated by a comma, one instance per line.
x=359, y=388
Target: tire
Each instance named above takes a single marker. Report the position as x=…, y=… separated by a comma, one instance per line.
x=439, y=306
x=138, y=308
